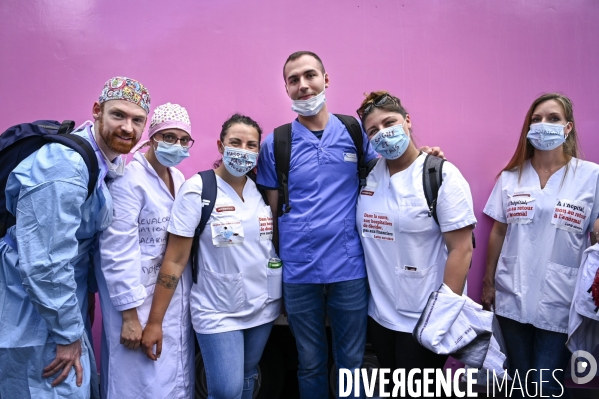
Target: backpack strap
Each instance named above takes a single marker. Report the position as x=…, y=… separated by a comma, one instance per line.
x=66, y=127
x=282, y=150
x=355, y=131
x=81, y=146
x=432, y=178
x=209, y=190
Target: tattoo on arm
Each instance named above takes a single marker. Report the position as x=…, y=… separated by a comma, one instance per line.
x=167, y=281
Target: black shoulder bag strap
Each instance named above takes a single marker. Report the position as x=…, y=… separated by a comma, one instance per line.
x=432, y=177
x=355, y=131
x=209, y=191
x=282, y=150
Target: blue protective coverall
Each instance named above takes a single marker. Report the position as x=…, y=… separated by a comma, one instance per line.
x=44, y=265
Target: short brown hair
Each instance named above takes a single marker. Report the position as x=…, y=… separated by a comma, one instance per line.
x=299, y=54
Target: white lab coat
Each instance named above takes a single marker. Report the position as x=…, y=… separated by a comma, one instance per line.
x=403, y=245
x=546, y=236
x=236, y=289
x=455, y=325
x=131, y=251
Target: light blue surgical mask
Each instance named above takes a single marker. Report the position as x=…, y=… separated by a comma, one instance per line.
x=390, y=142
x=238, y=162
x=546, y=136
x=170, y=154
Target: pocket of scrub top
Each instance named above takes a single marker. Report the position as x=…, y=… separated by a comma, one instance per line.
x=353, y=245
x=557, y=294
x=414, y=217
x=221, y=292
x=506, y=278
x=274, y=280
x=412, y=288
x=296, y=242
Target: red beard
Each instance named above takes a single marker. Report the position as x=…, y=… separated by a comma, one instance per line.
x=114, y=143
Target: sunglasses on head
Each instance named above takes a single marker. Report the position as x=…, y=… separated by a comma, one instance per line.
x=376, y=102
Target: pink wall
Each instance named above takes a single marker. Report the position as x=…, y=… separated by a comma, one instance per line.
x=466, y=70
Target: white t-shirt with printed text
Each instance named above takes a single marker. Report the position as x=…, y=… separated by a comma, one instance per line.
x=546, y=236
x=404, y=247
x=235, y=288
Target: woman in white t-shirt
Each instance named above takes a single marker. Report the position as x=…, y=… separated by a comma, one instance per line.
x=408, y=255
x=237, y=297
x=544, y=204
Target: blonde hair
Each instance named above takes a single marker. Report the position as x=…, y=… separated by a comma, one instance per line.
x=525, y=150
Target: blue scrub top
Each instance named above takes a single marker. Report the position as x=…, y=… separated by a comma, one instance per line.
x=318, y=240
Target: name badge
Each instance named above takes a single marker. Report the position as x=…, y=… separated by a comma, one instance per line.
x=350, y=157
x=570, y=215
x=227, y=232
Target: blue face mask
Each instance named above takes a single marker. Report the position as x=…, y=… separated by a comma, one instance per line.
x=390, y=142
x=546, y=136
x=238, y=162
x=171, y=154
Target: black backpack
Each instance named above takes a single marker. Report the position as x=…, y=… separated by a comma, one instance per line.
x=20, y=141
x=209, y=191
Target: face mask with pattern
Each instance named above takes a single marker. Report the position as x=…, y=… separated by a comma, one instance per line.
x=239, y=162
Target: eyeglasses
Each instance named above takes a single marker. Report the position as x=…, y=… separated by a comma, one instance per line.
x=170, y=138
x=377, y=102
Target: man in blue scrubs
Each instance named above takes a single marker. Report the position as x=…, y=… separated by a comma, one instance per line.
x=323, y=262
x=45, y=257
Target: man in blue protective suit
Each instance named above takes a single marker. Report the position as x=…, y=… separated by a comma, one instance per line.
x=45, y=258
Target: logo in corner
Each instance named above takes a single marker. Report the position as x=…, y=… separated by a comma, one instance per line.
x=586, y=366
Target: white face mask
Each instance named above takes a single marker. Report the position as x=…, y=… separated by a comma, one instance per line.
x=309, y=107
x=546, y=136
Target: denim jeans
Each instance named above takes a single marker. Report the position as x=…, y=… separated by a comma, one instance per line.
x=231, y=360
x=307, y=305
x=528, y=348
